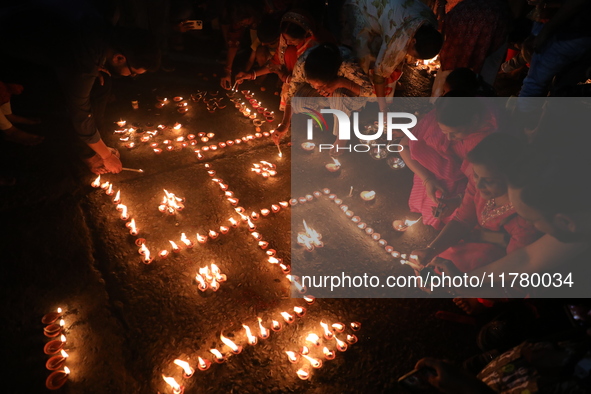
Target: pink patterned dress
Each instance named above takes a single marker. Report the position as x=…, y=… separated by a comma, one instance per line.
x=479, y=213
x=445, y=159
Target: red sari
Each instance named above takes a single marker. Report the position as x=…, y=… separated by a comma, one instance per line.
x=479, y=213
x=445, y=159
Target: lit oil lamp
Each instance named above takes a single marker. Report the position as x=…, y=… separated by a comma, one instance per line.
x=97, y=182
x=309, y=239
x=338, y=327
x=117, y=198
x=201, y=283
x=341, y=346
x=275, y=208
x=308, y=146
x=265, y=212
x=333, y=167
x=188, y=371
x=175, y=247
x=251, y=226
x=186, y=241
x=163, y=254
x=351, y=339
x=254, y=216
x=328, y=334
x=263, y=244
x=201, y=238
x=202, y=364
x=263, y=331
x=271, y=252
x=309, y=299
x=130, y=145
x=56, y=362
x=256, y=235
x=314, y=362
x=299, y=311
x=219, y=357
x=121, y=123
x=57, y=379
x=313, y=339
x=236, y=349
x=328, y=354
x=293, y=357
x=133, y=230
x=276, y=326
x=303, y=373
x=251, y=339
x=287, y=317
x=368, y=195
x=52, y=317
x=400, y=225
x=224, y=229
x=176, y=388
x=274, y=260
x=213, y=234
x=286, y=269
x=54, y=346
x=296, y=283
x=145, y=252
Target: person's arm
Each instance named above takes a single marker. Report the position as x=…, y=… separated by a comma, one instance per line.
x=283, y=127
x=429, y=180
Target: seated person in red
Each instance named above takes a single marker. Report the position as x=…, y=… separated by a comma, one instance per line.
x=438, y=157
x=485, y=227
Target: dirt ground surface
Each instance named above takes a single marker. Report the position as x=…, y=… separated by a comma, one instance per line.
x=64, y=245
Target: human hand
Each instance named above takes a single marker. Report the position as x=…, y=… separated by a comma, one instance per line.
x=241, y=76
x=433, y=185
x=449, y=206
x=112, y=164
x=279, y=132
x=445, y=266
x=448, y=378
x=226, y=81
x=184, y=26
x=419, y=258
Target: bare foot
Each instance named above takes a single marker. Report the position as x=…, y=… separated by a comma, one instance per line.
x=22, y=120
x=21, y=137
x=469, y=305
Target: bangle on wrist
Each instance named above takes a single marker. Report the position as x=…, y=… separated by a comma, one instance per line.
x=254, y=75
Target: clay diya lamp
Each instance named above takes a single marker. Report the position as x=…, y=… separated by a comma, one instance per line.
x=56, y=362
x=54, y=346
x=57, y=379
x=335, y=167
x=308, y=146
x=52, y=317
x=52, y=330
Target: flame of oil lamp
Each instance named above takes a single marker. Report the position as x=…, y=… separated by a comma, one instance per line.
x=55, y=346
x=224, y=229
x=199, y=155
x=121, y=123
x=57, y=379
x=117, y=198
x=263, y=332
x=202, y=364
x=186, y=241
x=96, y=182
x=287, y=317
x=254, y=216
x=224, y=187
x=328, y=334
x=252, y=340
x=186, y=368
x=214, y=285
x=333, y=167
x=206, y=273
x=229, y=193
x=175, y=247
x=310, y=239
x=256, y=235
x=304, y=350
x=293, y=357
x=233, y=222
x=157, y=151
x=105, y=185
x=400, y=225
x=163, y=254
x=341, y=346
x=265, y=212
x=177, y=126
x=299, y=311
x=274, y=260
x=217, y=273
x=201, y=284
x=123, y=208
x=328, y=354
x=201, y=238
x=314, y=362
x=236, y=349
x=132, y=227
x=271, y=252
x=351, y=339
x=213, y=234
x=313, y=338
x=309, y=299
x=263, y=244
x=219, y=357
x=308, y=146
x=176, y=388
x=338, y=327
x=275, y=208
x=251, y=225
x=303, y=373
x=275, y=325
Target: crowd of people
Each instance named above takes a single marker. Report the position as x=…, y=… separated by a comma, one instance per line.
x=505, y=198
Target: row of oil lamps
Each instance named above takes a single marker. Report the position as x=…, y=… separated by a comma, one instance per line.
x=54, y=327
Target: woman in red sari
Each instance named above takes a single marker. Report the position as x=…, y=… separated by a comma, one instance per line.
x=485, y=227
x=438, y=157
